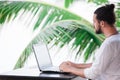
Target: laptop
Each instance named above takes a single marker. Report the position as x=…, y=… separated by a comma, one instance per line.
x=44, y=60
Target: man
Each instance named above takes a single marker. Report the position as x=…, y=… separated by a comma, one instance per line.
x=107, y=59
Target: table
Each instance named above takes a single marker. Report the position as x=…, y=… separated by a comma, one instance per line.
x=35, y=74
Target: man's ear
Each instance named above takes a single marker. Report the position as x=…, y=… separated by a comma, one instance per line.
x=102, y=23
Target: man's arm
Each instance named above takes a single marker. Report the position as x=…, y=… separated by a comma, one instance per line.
x=66, y=67
x=81, y=66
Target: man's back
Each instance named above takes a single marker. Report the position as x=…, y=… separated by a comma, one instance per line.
x=111, y=57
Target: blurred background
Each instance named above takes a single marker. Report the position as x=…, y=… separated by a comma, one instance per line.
x=64, y=25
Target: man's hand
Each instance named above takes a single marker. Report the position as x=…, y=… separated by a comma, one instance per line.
x=69, y=67
x=66, y=66
x=71, y=63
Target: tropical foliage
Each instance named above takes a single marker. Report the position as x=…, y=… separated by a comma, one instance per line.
x=53, y=24
x=99, y=2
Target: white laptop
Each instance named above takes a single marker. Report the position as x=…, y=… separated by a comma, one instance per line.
x=44, y=60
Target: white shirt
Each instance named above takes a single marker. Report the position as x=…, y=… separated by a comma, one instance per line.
x=107, y=61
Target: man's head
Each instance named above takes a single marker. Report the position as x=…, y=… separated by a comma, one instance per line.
x=103, y=15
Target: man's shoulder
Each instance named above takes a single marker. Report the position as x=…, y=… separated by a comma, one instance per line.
x=114, y=38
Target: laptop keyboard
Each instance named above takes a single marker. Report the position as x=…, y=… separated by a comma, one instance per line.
x=51, y=69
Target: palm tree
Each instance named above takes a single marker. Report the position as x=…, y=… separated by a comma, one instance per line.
x=52, y=24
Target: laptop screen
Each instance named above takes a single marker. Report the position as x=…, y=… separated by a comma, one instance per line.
x=42, y=55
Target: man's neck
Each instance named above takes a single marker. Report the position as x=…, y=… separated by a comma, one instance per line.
x=109, y=31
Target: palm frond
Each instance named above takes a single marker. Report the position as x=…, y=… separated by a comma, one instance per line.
x=62, y=33
x=67, y=3
x=98, y=2
x=51, y=23
x=47, y=14
x=118, y=16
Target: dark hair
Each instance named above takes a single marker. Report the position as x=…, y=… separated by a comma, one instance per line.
x=106, y=13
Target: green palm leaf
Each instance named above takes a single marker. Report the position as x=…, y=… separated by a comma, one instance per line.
x=63, y=33
x=67, y=3
x=118, y=16
x=51, y=23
